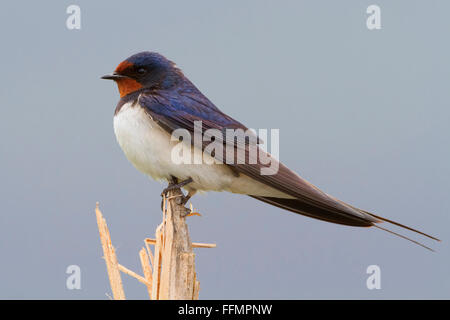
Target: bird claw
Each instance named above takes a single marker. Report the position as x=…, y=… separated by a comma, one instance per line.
x=173, y=184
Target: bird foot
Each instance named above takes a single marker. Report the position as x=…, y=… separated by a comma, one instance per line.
x=182, y=200
x=174, y=184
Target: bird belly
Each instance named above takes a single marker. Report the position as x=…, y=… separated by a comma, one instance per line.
x=149, y=148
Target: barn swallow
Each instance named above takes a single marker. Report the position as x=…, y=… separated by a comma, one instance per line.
x=156, y=99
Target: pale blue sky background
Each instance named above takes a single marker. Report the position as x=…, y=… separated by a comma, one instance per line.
x=362, y=114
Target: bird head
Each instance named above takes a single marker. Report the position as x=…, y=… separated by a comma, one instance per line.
x=144, y=70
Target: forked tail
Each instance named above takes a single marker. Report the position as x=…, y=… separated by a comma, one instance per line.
x=402, y=226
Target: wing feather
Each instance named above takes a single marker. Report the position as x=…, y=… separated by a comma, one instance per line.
x=175, y=111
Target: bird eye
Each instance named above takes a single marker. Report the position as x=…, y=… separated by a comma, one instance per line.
x=141, y=71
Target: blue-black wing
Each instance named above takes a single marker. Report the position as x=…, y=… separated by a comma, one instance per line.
x=184, y=105
x=176, y=110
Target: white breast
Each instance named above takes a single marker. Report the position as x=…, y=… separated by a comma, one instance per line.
x=148, y=147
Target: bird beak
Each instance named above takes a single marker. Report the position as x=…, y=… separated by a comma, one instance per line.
x=113, y=76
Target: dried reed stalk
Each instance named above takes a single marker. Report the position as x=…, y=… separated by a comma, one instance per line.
x=109, y=254
x=169, y=272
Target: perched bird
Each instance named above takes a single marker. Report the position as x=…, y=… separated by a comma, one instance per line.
x=156, y=99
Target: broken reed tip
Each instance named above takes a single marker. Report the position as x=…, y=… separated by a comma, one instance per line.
x=193, y=214
x=194, y=244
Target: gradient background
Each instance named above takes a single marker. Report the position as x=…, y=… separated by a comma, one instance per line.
x=362, y=114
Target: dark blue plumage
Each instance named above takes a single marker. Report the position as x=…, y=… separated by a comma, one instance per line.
x=173, y=102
